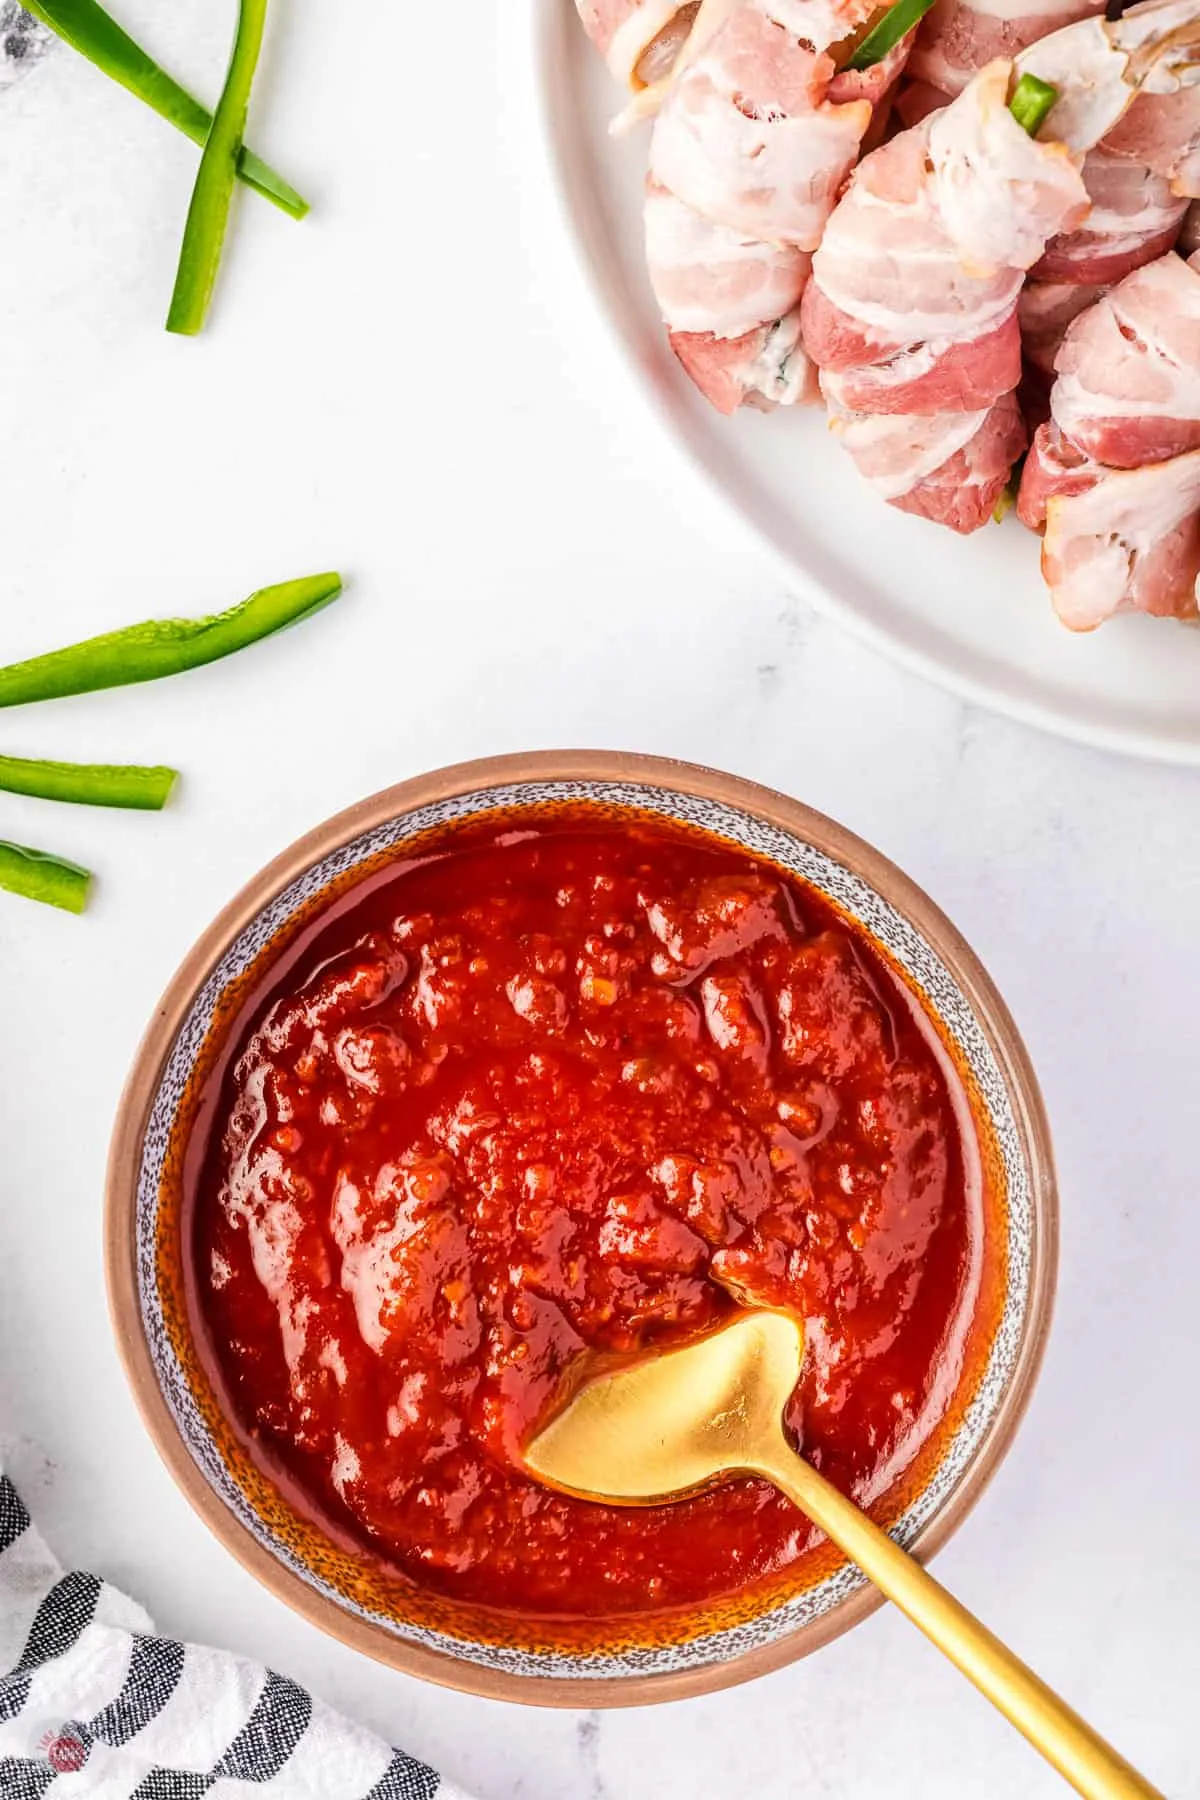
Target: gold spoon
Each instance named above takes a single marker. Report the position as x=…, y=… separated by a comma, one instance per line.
x=663, y=1428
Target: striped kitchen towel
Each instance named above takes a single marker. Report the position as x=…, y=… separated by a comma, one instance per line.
x=93, y=1705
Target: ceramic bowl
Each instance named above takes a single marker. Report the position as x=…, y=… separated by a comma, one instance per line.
x=623, y=1662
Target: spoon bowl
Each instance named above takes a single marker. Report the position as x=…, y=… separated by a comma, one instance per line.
x=665, y=1427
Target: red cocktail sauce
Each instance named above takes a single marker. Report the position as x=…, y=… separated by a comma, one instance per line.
x=585, y=1086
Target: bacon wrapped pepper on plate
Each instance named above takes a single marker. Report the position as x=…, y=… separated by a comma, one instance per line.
x=638, y=39
x=957, y=38
x=911, y=315
x=911, y=312
x=1113, y=477
x=1140, y=180
x=754, y=138
x=1135, y=218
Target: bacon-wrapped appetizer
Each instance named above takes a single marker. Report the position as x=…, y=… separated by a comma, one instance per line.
x=911, y=311
x=911, y=314
x=1145, y=169
x=638, y=39
x=1126, y=540
x=1135, y=218
x=1114, y=476
x=729, y=302
x=957, y=38
x=754, y=139
x=1140, y=181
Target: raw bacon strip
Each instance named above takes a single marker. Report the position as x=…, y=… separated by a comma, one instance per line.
x=638, y=39
x=710, y=279
x=730, y=306
x=1100, y=67
x=915, y=290
x=915, y=286
x=966, y=488
x=1130, y=542
x=1053, y=466
x=764, y=368
x=1128, y=387
x=697, y=25
x=1116, y=540
x=897, y=451
x=948, y=467
x=957, y=38
x=1139, y=180
x=958, y=376
x=754, y=138
x=748, y=136
x=1114, y=476
x=889, y=274
x=1161, y=132
x=1135, y=219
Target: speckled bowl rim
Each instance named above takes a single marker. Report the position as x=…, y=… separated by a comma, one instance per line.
x=863, y=883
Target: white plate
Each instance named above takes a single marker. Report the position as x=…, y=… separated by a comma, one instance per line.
x=969, y=613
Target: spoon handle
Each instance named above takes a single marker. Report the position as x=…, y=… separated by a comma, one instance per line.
x=1092, y=1766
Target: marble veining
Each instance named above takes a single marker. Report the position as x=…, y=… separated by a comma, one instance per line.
x=23, y=42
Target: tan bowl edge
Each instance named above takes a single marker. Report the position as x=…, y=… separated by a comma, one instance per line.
x=134, y=1109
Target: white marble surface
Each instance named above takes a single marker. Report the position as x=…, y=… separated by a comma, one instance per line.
x=411, y=386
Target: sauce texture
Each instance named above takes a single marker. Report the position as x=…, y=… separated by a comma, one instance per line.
x=585, y=1088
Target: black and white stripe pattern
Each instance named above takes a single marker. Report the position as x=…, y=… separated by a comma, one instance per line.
x=22, y=43
x=84, y=1684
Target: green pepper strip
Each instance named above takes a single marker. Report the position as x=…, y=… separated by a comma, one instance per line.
x=89, y=29
x=208, y=214
x=895, y=24
x=40, y=877
x=1032, y=100
x=89, y=784
x=164, y=646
